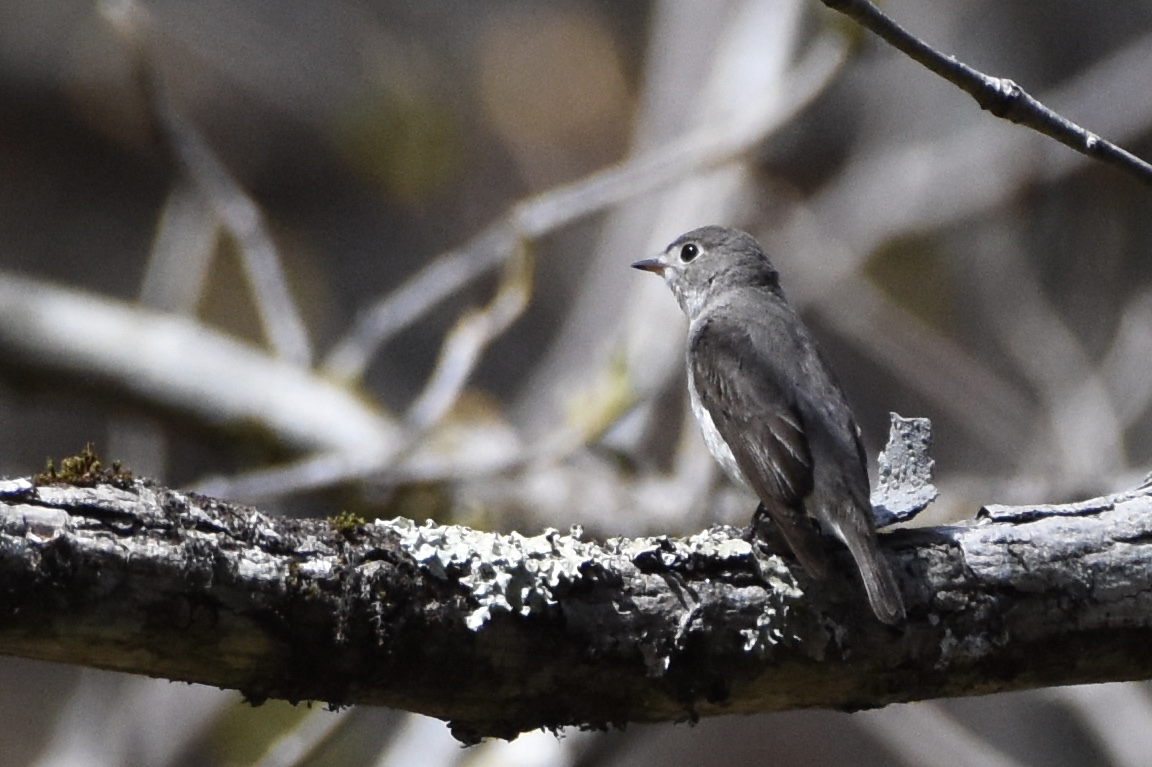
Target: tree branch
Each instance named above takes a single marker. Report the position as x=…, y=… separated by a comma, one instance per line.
x=171, y=362
x=1000, y=96
x=500, y=634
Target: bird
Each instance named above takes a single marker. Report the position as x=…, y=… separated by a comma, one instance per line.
x=770, y=410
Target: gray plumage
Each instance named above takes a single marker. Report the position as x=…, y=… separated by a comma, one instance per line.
x=771, y=413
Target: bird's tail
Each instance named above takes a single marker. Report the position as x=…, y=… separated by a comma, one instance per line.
x=879, y=583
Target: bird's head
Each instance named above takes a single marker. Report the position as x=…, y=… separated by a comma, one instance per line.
x=707, y=261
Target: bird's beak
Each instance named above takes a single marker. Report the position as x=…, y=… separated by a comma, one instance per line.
x=650, y=265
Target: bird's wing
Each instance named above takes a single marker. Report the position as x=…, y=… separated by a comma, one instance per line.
x=758, y=419
x=752, y=410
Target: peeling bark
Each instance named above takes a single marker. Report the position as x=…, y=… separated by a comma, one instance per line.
x=500, y=634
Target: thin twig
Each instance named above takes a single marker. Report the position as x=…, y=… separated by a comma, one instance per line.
x=466, y=342
x=181, y=253
x=1000, y=96
x=536, y=216
x=441, y=278
x=237, y=212
x=242, y=218
x=936, y=183
x=459, y=356
x=527, y=220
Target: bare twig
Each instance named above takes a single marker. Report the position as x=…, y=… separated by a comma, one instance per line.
x=1000, y=96
x=245, y=222
x=446, y=274
x=503, y=240
x=927, y=185
x=237, y=212
x=464, y=344
x=181, y=253
x=536, y=216
x=459, y=356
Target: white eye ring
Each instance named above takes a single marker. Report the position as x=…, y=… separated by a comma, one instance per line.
x=689, y=252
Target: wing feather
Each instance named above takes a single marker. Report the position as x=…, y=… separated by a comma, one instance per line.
x=758, y=419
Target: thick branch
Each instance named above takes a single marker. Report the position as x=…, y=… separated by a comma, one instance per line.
x=502, y=634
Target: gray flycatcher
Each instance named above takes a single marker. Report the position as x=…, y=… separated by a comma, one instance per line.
x=771, y=413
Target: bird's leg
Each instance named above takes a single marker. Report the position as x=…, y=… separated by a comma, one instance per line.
x=749, y=533
x=764, y=531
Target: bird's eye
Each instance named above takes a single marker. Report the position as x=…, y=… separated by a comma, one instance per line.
x=689, y=252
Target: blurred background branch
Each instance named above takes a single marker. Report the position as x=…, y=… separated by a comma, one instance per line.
x=197, y=201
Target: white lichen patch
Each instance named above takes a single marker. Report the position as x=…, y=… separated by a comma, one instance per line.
x=505, y=573
x=517, y=574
